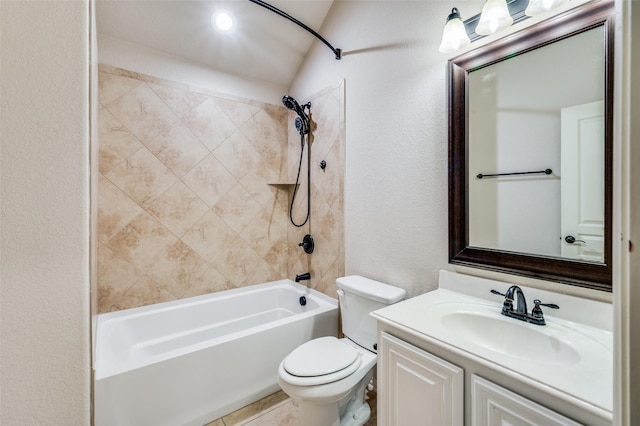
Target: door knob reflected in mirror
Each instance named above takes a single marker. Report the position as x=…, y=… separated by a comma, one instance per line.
x=571, y=239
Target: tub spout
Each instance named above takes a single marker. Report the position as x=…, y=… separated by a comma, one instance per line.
x=302, y=277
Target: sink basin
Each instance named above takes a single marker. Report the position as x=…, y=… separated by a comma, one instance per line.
x=508, y=337
x=481, y=329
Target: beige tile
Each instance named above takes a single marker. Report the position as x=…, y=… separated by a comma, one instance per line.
x=143, y=113
x=210, y=180
x=179, y=266
x=209, y=236
x=276, y=257
x=266, y=131
x=144, y=292
x=256, y=409
x=238, y=112
x=285, y=414
x=111, y=87
x=209, y=282
x=116, y=141
x=237, y=155
x=259, y=189
x=178, y=208
x=259, y=272
x=115, y=276
x=181, y=101
x=142, y=176
x=115, y=209
x=271, y=125
x=178, y=149
x=209, y=124
x=237, y=208
x=325, y=115
x=262, y=234
x=218, y=422
x=143, y=241
x=239, y=261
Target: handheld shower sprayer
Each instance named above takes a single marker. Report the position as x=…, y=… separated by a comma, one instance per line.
x=303, y=124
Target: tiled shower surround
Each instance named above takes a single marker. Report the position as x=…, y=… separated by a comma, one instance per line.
x=194, y=190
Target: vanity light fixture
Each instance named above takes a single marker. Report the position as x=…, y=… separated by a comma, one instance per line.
x=454, y=35
x=495, y=17
x=538, y=7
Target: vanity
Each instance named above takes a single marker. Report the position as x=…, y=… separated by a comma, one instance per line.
x=449, y=357
x=531, y=187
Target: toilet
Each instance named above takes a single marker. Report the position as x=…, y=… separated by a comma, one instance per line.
x=329, y=376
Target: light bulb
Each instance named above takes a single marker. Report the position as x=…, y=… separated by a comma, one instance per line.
x=222, y=20
x=454, y=35
x=537, y=7
x=495, y=17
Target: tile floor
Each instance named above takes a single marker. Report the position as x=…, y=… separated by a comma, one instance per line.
x=276, y=410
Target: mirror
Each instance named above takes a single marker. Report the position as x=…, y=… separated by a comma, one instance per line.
x=530, y=151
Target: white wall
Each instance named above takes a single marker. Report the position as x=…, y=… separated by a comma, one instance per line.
x=396, y=134
x=44, y=235
x=134, y=57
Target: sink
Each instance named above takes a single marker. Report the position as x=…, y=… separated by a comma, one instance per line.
x=481, y=329
x=570, y=357
x=507, y=337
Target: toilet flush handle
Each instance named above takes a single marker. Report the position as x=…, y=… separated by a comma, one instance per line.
x=341, y=296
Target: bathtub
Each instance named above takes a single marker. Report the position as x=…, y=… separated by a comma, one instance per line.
x=191, y=361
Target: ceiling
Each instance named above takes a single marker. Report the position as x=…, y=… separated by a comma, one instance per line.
x=262, y=45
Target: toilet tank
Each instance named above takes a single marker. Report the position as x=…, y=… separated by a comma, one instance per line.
x=359, y=296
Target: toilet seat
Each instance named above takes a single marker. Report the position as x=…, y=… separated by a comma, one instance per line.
x=320, y=361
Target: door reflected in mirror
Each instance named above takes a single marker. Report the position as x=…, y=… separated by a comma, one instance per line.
x=536, y=150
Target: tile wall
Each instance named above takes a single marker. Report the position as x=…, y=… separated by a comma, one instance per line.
x=194, y=187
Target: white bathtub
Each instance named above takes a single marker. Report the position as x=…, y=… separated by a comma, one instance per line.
x=193, y=360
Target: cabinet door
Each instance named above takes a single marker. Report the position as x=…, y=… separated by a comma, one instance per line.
x=494, y=405
x=416, y=388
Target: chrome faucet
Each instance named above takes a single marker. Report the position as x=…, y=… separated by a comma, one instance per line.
x=520, y=312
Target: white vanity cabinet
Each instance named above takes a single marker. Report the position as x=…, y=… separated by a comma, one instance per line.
x=493, y=405
x=417, y=388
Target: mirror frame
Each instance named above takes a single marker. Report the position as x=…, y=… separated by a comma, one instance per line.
x=574, y=272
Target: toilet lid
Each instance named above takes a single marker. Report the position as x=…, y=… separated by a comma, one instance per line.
x=321, y=357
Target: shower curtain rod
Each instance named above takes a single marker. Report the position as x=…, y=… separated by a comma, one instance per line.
x=337, y=52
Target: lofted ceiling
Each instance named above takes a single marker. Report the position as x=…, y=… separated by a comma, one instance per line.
x=262, y=45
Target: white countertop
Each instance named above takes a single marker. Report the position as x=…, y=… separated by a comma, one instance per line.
x=582, y=374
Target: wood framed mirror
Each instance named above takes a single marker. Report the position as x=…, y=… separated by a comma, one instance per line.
x=512, y=173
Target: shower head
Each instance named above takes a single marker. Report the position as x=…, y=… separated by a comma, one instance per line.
x=302, y=122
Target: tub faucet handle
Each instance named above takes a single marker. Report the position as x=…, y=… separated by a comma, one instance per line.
x=307, y=244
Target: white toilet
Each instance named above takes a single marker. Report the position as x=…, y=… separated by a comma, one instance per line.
x=329, y=376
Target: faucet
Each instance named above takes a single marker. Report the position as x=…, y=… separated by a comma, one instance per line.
x=520, y=312
x=512, y=293
x=302, y=277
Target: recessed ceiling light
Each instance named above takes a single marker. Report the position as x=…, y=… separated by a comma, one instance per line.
x=222, y=20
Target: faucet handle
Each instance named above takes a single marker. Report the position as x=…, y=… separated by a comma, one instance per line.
x=507, y=305
x=538, y=303
x=537, y=317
